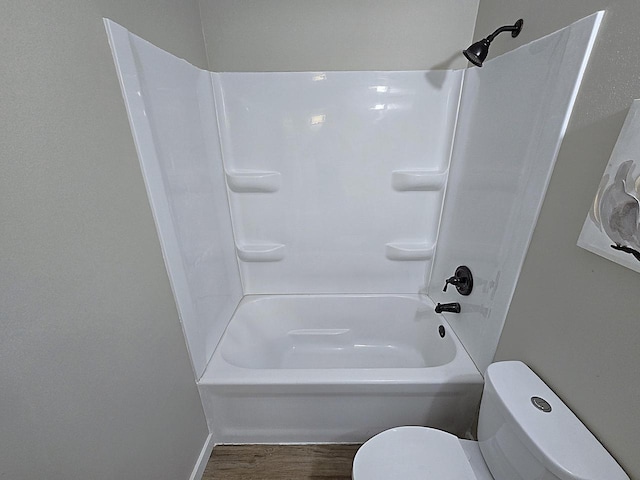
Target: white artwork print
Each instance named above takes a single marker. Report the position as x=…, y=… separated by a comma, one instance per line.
x=612, y=227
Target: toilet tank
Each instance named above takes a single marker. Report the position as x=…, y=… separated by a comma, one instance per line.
x=539, y=439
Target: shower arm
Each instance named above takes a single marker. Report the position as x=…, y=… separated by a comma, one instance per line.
x=514, y=29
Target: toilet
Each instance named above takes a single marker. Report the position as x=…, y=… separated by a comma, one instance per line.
x=525, y=432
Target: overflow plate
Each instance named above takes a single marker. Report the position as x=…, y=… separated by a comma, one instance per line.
x=541, y=404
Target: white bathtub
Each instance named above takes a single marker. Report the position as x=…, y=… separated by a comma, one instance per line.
x=336, y=368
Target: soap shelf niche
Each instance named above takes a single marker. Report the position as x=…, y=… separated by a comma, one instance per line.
x=263, y=252
x=418, y=180
x=253, y=181
x=403, y=252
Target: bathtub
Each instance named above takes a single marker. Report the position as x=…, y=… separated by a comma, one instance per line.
x=336, y=368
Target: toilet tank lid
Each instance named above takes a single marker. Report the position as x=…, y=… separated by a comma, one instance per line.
x=558, y=438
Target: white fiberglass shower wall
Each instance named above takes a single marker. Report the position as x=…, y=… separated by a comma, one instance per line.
x=335, y=182
x=172, y=115
x=514, y=114
x=336, y=179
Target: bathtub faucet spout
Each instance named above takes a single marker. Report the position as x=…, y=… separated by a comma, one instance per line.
x=448, y=307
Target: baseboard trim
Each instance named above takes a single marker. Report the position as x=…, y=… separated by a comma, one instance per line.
x=201, y=463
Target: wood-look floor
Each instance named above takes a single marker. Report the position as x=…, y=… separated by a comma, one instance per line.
x=281, y=462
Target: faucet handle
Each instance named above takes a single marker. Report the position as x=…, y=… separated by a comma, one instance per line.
x=455, y=281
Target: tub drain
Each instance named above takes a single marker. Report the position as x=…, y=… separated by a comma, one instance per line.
x=441, y=331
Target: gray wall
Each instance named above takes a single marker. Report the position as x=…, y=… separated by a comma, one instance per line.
x=575, y=317
x=308, y=35
x=95, y=381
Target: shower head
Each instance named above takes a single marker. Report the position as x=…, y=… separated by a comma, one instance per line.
x=477, y=52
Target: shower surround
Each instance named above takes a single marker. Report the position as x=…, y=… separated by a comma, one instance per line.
x=369, y=185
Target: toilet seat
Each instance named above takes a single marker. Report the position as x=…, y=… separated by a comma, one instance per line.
x=412, y=453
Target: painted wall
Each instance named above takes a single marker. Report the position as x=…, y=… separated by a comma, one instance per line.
x=307, y=35
x=94, y=374
x=575, y=317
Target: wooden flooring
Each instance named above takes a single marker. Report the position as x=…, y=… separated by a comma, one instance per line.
x=282, y=462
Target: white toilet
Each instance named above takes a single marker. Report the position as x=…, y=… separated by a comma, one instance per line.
x=525, y=432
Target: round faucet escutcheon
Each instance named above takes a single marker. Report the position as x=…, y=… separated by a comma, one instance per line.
x=462, y=280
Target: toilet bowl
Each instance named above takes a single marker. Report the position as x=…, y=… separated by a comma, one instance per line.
x=412, y=453
x=525, y=432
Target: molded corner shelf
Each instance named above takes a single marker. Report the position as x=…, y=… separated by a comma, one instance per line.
x=403, y=252
x=418, y=180
x=253, y=181
x=272, y=252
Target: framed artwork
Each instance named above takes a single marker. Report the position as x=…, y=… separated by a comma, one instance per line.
x=612, y=227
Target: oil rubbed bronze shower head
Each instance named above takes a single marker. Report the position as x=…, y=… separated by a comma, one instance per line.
x=477, y=52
